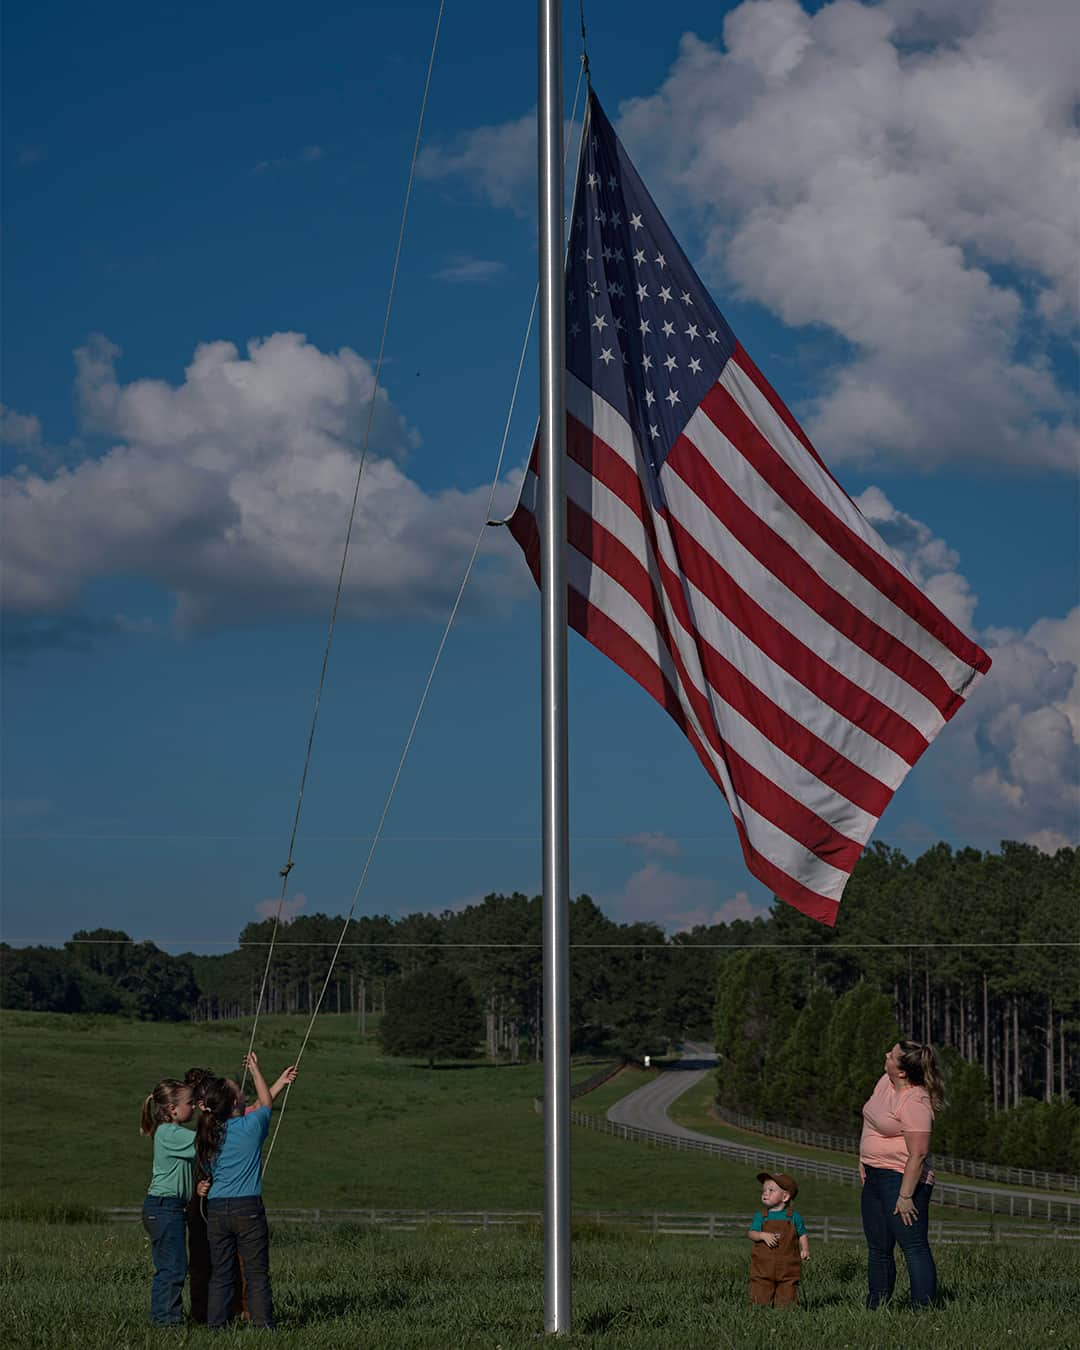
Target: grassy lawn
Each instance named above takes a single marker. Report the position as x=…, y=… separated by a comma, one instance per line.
x=359, y=1130
x=88, y=1286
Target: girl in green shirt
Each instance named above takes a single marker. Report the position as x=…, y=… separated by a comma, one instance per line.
x=164, y=1113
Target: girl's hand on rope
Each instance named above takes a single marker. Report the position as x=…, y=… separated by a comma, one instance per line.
x=203, y=1188
x=251, y=1061
x=286, y=1077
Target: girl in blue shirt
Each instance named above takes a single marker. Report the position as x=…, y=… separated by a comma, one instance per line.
x=164, y=1113
x=229, y=1153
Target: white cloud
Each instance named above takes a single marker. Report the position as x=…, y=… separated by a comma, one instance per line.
x=902, y=174
x=498, y=162
x=267, y=909
x=18, y=429
x=675, y=901
x=655, y=842
x=463, y=269
x=232, y=491
x=310, y=154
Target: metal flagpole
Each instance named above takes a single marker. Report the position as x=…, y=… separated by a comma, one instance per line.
x=553, y=678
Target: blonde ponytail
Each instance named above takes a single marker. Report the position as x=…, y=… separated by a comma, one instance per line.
x=920, y=1064
x=157, y=1105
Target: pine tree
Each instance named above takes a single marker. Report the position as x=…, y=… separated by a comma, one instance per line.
x=431, y=1013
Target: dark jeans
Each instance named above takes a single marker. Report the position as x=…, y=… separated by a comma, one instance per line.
x=884, y=1230
x=163, y=1219
x=238, y=1227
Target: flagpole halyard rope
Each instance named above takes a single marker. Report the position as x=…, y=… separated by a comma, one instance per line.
x=427, y=686
x=289, y=862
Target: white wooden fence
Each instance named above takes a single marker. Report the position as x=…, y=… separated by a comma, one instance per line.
x=1061, y=1209
x=943, y=1162
x=821, y=1229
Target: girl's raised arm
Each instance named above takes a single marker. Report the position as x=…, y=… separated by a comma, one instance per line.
x=251, y=1061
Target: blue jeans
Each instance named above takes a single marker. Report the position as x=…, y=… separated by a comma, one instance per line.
x=163, y=1219
x=884, y=1230
x=238, y=1227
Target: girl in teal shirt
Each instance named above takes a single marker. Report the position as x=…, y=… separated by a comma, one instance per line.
x=164, y=1113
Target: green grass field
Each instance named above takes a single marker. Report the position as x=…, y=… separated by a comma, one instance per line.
x=87, y=1286
x=361, y=1130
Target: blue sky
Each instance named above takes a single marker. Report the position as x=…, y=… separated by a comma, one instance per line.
x=878, y=197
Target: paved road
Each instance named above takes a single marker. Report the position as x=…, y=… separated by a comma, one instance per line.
x=647, y=1108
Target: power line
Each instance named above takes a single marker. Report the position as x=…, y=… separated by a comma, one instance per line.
x=537, y=946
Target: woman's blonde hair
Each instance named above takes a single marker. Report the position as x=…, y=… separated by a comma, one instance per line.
x=920, y=1064
x=157, y=1105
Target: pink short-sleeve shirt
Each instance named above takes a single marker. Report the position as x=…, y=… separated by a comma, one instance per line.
x=886, y=1116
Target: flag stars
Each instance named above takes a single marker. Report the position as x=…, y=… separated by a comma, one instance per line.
x=599, y=323
x=665, y=294
x=617, y=288
x=654, y=432
x=601, y=217
x=635, y=222
x=712, y=335
x=672, y=397
x=692, y=332
x=612, y=182
x=643, y=292
x=586, y=256
x=618, y=324
x=619, y=255
x=575, y=329
x=606, y=253
x=644, y=327
x=616, y=219
x=660, y=261
x=639, y=257
x=646, y=362
x=685, y=297
x=670, y=362
x=606, y=356
x=650, y=398
x=592, y=180
x=695, y=365
x=668, y=329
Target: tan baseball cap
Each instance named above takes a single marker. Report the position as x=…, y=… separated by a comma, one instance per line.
x=782, y=1179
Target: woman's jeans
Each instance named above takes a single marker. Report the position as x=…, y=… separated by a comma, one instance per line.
x=884, y=1230
x=163, y=1219
x=239, y=1227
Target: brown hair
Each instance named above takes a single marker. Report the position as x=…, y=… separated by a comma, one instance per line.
x=920, y=1064
x=219, y=1102
x=157, y=1105
x=197, y=1080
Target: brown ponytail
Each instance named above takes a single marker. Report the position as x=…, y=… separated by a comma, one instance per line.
x=920, y=1064
x=218, y=1103
x=158, y=1104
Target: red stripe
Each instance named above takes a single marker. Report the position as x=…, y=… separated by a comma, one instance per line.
x=617, y=644
x=782, y=729
x=783, y=561
x=840, y=536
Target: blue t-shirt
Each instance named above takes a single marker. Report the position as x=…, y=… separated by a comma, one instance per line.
x=237, y=1169
x=781, y=1213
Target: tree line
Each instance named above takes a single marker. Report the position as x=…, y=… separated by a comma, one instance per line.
x=944, y=939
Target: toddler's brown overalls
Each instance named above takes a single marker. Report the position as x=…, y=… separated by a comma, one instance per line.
x=775, y=1271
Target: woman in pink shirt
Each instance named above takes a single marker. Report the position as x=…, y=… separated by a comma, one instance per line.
x=897, y=1182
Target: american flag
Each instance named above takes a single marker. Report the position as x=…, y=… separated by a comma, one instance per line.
x=713, y=556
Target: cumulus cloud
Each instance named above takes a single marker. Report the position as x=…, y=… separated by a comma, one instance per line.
x=232, y=491
x=18, y=429
x=901, y=175
x=1013, y=765
x=266, y=909
x=654, y=842
x=498, y=162
x=311, y=154
x=675, y=901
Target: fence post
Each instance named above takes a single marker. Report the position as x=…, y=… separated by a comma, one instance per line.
x=825, y=1236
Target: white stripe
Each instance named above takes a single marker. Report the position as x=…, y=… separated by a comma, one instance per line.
x=609, y=510
x=953, y=669
x=817, y=716
x=776, y=846
x=791, y=611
